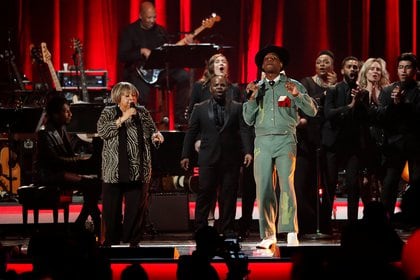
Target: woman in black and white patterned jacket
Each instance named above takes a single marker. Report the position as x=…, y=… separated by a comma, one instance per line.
x=128, y=131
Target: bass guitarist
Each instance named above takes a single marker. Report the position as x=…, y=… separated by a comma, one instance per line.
x=136, y=42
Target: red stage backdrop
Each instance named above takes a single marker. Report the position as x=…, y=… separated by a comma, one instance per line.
x=364, y=28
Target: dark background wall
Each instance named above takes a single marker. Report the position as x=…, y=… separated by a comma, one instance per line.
x=364, y=28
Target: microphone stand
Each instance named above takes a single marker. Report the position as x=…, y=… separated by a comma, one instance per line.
x=318, y=235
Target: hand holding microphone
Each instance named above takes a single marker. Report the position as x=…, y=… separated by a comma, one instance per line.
x=397, y=94
x=133, y=111
x=157, y=139
x=252, y=89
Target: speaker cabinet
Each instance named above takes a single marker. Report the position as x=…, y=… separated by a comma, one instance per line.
x=168, y=212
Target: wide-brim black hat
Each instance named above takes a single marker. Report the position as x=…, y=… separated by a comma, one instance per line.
x=281, y=52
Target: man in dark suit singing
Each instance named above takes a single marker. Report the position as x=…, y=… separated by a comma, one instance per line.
x=223, y=133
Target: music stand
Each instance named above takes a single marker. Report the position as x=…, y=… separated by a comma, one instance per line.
x=18, y=120
x=84, y=117
x=84, y=124
x=170, y=56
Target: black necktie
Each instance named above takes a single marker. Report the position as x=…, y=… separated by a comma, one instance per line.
x=271, y=83
x=219, y=112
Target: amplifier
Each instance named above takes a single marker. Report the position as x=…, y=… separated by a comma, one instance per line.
x=169, y=212
x=95, y=79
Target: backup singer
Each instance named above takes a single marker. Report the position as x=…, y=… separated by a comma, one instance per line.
x=223, y=132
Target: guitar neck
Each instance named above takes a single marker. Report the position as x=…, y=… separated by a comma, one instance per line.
x=54, y=77
x=83, y=81
x=196, y=32
x=207, y=23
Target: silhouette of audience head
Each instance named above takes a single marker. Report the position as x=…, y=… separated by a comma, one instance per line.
x=62, y=255
x=208, y=241
x=134, y=272
x=372, y=238
x=6, y=252
x=198, y=265
x=375, y=212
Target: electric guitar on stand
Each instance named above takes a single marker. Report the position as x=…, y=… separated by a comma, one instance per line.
x=80, y=65
x=151, y=76
x=46, y=56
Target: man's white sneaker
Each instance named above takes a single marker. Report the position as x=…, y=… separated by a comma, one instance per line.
x=267, y=242
x=292, y=239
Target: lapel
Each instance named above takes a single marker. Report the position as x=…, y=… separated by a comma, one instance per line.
x=210, y=111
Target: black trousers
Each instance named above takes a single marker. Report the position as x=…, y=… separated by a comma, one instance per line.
x=306, y=187
x=123, y=209
x=350, y=161
x=248, y=196
x=396, y=155
x=209, y=179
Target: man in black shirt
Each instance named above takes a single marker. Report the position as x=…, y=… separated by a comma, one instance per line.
x=399, y=113
x=136, y=44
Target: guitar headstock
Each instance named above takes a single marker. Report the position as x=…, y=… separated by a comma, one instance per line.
x=77, y=45
x=209, y=22
x=9, y=55
x=36, y=54
x=46, y=55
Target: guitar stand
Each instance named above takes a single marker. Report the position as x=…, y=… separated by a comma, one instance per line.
x=13, y=120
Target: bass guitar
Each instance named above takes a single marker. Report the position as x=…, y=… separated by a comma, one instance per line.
x=151, y=76
x=46, y=56
x=78, y=49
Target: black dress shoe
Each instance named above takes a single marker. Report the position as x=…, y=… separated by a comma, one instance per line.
x=134, y=245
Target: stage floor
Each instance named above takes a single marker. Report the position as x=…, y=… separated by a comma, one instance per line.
x=175, y=241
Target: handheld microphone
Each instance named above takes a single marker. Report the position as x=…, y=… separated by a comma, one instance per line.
x=258, y=83
x=136, y=116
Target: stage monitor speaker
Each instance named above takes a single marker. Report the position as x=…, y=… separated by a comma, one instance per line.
x=169, y=212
